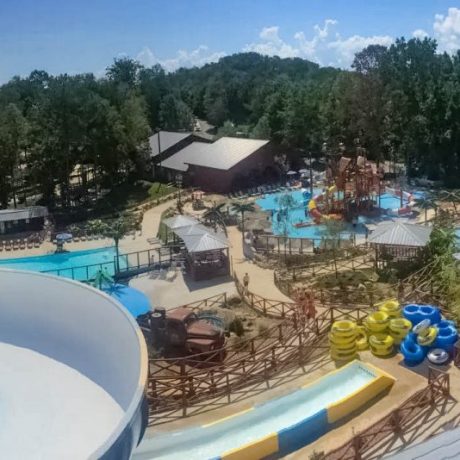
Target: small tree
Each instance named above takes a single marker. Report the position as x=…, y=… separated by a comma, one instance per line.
x=102, y=278
x=243, y=208
x=214, y=215
x=285, y=205
x=117, y=230
x=426, y=203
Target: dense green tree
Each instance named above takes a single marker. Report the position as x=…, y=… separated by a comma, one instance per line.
x=175, y=114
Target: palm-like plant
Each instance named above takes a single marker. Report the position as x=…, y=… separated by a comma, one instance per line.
x=425, y=203
x=117, y=230
x=243, y=208
x=452, y=196
x=102, y=278
x=214, y=215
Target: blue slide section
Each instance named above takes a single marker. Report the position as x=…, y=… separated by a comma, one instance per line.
x=297, y=436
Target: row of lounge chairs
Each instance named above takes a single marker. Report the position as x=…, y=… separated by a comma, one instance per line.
x=260, y=190
x=20, y=243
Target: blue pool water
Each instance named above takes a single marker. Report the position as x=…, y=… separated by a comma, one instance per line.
x=297, y=214
x=69, y=264
x=209, y=442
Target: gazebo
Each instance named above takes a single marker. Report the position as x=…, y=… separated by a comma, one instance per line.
x=399, y=240
x=177, y=222
x=206, y=251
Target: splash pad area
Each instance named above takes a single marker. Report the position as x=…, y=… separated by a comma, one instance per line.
x=299, y=215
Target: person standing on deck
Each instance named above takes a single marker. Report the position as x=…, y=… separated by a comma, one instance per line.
x=246, y=283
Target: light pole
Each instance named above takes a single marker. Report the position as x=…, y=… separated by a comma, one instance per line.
x=311, y=175
x=179, y=185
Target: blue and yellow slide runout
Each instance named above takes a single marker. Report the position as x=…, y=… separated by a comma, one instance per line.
x=296, y=436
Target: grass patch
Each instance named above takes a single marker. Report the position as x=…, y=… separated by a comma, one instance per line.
x=128, y=195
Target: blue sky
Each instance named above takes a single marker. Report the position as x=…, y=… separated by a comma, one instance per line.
x=85, y=36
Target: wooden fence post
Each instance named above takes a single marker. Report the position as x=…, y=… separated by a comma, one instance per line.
x=183, y=389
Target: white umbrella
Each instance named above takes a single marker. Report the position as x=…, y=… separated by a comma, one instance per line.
x=291, y=173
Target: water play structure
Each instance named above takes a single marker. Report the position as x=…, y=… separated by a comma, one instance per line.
x=279, y=426
x=74, y=368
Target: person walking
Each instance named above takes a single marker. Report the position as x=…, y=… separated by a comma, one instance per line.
x=246, y=283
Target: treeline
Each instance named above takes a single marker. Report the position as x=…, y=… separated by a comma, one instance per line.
x=401, y=102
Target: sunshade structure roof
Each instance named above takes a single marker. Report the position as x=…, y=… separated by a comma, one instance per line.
x=196, y=237
x=205, y=242
x=400, y=234
x=8, y=215
x=180, y=221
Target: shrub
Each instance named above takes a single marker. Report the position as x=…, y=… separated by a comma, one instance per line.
x=264, y=330
x=237, y=327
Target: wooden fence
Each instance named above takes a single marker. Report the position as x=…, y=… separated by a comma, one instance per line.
x=284, y=246
x=374, y=440
x=176, y=384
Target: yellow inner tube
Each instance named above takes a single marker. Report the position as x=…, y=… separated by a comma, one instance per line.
x=391, y=308
x=344, y=329
x=361, y=339
x=381, y=344
x=427, y=337
x=343, y=342
x=399, y=328
x=377, y=322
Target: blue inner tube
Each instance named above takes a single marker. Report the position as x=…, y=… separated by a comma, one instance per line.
x=445, y=323
x=431, y=313
x=412, y=352
x=446, y=338
x=412, y=313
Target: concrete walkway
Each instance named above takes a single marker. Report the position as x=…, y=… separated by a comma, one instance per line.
x=260, y=279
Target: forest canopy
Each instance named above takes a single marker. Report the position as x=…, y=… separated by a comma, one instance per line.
x=402, y=102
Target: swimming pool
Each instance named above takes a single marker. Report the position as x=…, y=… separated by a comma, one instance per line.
x=278, y=426
x=298, y=214
x=79, y=265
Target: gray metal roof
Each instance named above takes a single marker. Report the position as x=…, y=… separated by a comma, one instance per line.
x=196, y=229
x=222, y=154
x=225, y=152
x=167, y=140
x=9, y=215
x=179, y=159
x=400, y=234
x=207, y=242
x=180, y=221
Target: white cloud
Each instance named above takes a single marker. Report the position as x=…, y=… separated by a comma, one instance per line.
x=447, y=30
x=346, y=49
x=271, y=44
x=323, y=45
x=197, y=57
x=420, y=34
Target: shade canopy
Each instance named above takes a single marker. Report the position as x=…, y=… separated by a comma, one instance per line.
x=180, y=221
x=63, y=236
x=205, y=242
x=135, y=301
x=400, y=234
x=291, y=173
x=196, y=229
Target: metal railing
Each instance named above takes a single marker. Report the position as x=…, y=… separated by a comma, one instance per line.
x=128, y=264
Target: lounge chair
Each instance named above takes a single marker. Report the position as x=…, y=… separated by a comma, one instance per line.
x=22, y=244
x=30, y=244
x=36, y=244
